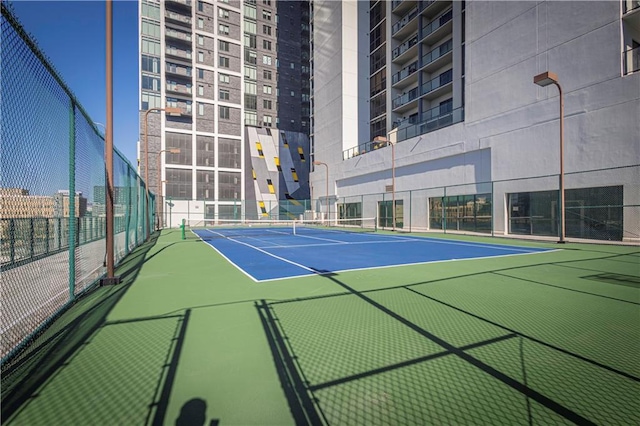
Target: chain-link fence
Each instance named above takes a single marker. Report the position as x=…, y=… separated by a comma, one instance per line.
x=599, y=205
x=52, y=193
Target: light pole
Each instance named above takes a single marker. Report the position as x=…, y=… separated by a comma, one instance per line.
x=159, y=193
x=168, y=110
x=542, y=80
x=318, y=163
x=393, y=177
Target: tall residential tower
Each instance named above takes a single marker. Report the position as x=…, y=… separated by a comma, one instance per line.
x=224, y=65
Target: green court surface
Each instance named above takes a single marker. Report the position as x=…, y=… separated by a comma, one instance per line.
x=549, y=338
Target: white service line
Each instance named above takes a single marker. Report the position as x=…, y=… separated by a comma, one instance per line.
x=228, y=260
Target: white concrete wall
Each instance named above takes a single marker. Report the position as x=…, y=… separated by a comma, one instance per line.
x=511, y=127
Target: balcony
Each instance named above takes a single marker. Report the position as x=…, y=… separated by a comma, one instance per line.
x=183, y=4
x=178, y=35
x=404, y=73
x=403, y=22
x=178, y=18
x=436, y=57
x=404, y=47
x=401, y=6
x=631, y=60
x=406, y=100
x=630, y=5
x=433, y=119
x=176, y=69
x=431, y=88
x=179, y=89
x=429, y=30
x=177, y=52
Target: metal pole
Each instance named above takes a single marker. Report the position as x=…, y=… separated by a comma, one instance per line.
x=110, y=279
x=562, y=212
x=393, y=184
x=146, y=171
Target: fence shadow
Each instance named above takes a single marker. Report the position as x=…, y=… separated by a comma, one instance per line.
x=54, y=347
x=398, y=356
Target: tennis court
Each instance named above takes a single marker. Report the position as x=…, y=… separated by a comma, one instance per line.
x=547, y=338
x=275, y=250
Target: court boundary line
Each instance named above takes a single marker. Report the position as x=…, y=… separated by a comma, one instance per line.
x=406, y=264
x=268, y=254
x=226, y=258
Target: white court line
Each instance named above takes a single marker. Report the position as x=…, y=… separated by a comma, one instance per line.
x=404, y=264
x=348, y=243
x=265, y=252
x=321, y=239
x=225, y=257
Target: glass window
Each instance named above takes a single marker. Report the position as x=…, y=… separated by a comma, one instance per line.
x=266, y=60
x=150, y=82
x=150, y=10
x=201, y=40
x=229, y=185
x=200, y=23
x=205, y=185
x=150, y=100
x=223, y=45
x=223, y=95
x=266, y=15
x=266, y=44
x=200, y=6
x=229, y=153
x=249, y=11
x=151, y=28
x=266, y=89
x=223, y=29
x=250, y=27
x=250, y=87
x=151, y=47
x=223, y=13
x=200, y=108
x=151, y=64
x=224, y=78
x=250, y=72
x=200, y=56
x=200, y=73
x=250, y=118
x=266, y=103
x=205, y=152
x=266, y=74
x=223, y=112
x=200, y=90
x=179, y=184
x=266, y=29
x=223, y=62
x=250, y=41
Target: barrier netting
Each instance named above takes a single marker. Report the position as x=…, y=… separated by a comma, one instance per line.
x=52, y=193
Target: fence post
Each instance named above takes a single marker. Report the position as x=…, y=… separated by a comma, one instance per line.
x=46, y=234
x=31, y=238
x=493, y=212
x=72, y=201
x=444, y=211
x=12, y=239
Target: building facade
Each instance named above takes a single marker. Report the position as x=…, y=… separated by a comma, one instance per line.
x=473, y=142
x=224, y=65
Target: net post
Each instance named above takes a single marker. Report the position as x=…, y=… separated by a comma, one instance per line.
x=182, y=230
x=294, y=227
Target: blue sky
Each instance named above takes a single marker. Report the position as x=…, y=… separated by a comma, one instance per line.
x=72, y=36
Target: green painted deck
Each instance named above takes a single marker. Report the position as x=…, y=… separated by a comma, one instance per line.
x=548, y=338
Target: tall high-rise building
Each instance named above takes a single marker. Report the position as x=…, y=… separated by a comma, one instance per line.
x=227, y=66
x=433, y=104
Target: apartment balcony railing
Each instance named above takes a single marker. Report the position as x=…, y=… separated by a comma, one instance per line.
x=395, y=3
x=630, y=5
x=404, y=47
x=179, y=88
x=436, y=53
x=405, y=98
x=436, y=23
x=182, y=3
x=631, y=60
x=177, y=17
x=404, y=72
x=180, y=53
x=427, y=87
x=404, y=21
x=178, y=69
x=177, y=34
x=432, y=119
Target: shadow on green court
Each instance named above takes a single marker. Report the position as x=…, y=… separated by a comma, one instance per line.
x=121, y=370
x=511, y=346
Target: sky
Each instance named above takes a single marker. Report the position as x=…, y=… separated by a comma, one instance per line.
x=72, y=34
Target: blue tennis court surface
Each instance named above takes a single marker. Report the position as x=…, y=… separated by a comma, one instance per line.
x=271, y=253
